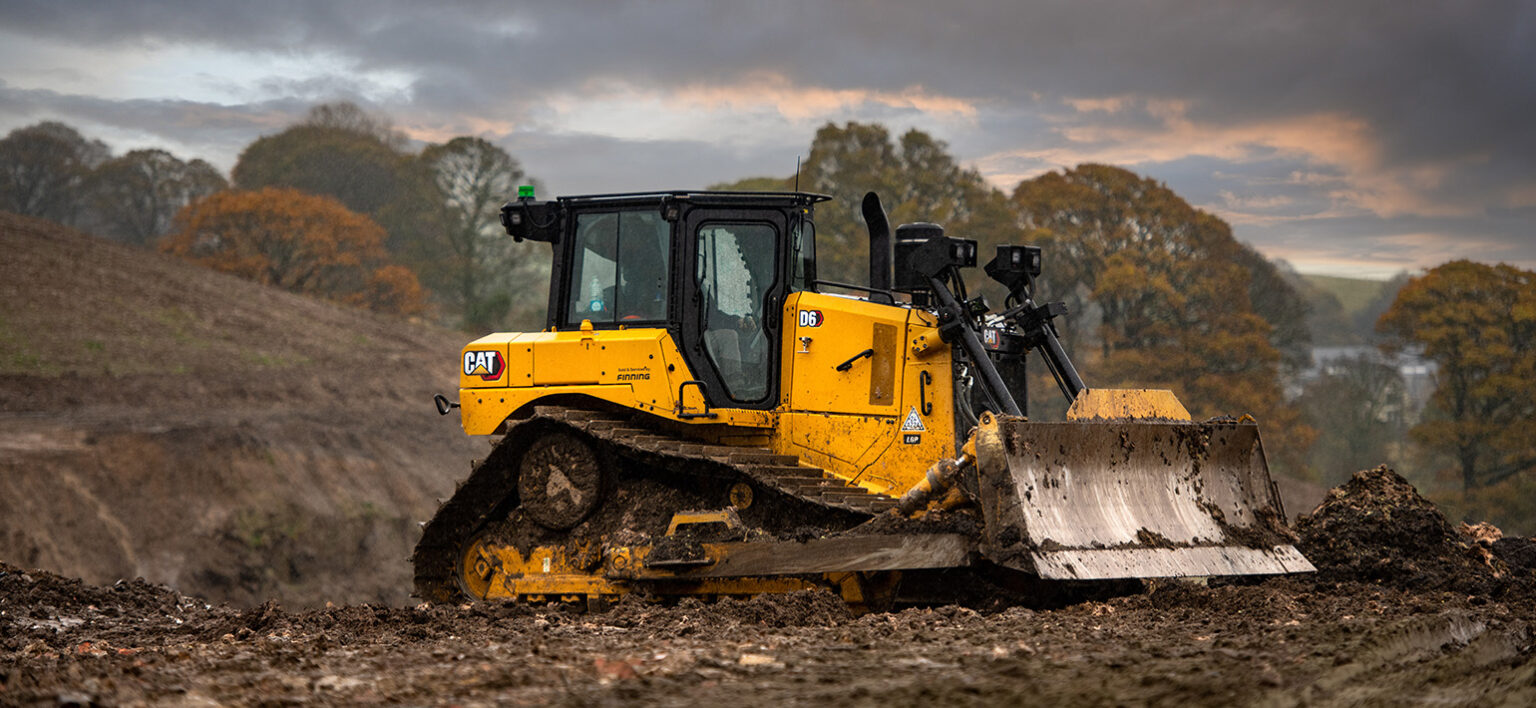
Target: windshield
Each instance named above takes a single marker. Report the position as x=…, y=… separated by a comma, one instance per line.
x=621, y=268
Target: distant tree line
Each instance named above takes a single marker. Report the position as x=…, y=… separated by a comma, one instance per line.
x=336, y=205
x=50, y=170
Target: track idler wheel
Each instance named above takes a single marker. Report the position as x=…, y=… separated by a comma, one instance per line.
x=560, y=480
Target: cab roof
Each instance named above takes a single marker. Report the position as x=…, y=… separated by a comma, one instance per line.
x=723, y=198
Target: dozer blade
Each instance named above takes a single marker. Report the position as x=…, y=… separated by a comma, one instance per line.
x=1118, y=499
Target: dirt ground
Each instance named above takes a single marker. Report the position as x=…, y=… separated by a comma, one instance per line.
x=1445, y=620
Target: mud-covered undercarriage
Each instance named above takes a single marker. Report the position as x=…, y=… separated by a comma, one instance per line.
x=584, y=504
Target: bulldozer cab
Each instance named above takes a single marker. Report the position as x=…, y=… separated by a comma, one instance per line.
x=712, y=268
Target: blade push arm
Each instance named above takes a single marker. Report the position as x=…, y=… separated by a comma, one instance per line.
x=1039, y=333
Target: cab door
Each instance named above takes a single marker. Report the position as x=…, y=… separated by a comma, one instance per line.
x=734, y=288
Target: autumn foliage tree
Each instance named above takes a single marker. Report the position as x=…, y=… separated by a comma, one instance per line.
x=298, y=242
x=340, y=151
x=1477, y=322
x=1171, y=291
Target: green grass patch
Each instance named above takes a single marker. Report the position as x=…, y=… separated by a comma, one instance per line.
x=259, y=530
x=17, y=358
x=1353, y=293
x=182, y=326
x=274, y=361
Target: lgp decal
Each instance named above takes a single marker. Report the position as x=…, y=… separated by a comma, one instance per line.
x=913, y=423
x=488, y=365
x=811, y=318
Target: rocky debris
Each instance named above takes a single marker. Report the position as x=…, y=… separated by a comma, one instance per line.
x=41, y=611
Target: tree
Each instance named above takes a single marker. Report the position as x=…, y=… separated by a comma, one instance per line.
x=1357, y=405
x=349, y=117
x=341, y=152
x=296, y=241
x=1170, y=291
x=916, y=179
x=43, y=168
x=474, y=178
x=1478, y=324
x=1366, y=318
x=1273, y=293
x=135, y=198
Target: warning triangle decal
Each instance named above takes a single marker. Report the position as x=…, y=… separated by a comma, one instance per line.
x=913, y=424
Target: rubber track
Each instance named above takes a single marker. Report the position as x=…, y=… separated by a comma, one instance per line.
x=491, y=488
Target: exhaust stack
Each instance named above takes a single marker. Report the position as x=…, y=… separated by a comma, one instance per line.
x=879, y=243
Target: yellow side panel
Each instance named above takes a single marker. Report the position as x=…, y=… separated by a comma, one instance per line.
x=923, y=434
x=636, y=368
x=520, y=359
x=569, y=358
x=835, y=443
x=829, y=331
x=484, y=362
x=850, y=422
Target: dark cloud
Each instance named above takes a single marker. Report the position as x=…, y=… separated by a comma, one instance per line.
x=1435, y=79
x=1442, y=92
x=213, y=129
x=594, y=164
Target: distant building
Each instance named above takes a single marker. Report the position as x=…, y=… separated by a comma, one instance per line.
x=1417, y=372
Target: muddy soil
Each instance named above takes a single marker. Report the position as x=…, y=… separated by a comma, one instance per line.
x=1390, y=617
x=1279, y=642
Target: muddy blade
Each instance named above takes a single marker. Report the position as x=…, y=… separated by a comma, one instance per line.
x=1101, y=500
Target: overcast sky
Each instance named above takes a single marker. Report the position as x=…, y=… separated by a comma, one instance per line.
x=1349, y=138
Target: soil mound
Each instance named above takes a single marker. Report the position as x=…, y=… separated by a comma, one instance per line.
x=1376, y=528
x=231, y=440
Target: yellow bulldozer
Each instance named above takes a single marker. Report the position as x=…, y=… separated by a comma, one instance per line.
x=702, y=415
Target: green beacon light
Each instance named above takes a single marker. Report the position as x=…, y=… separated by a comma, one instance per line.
x=525, y=191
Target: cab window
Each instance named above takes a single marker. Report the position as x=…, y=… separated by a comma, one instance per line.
x=802, y=249
x=622, y=268
x=735, y=274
